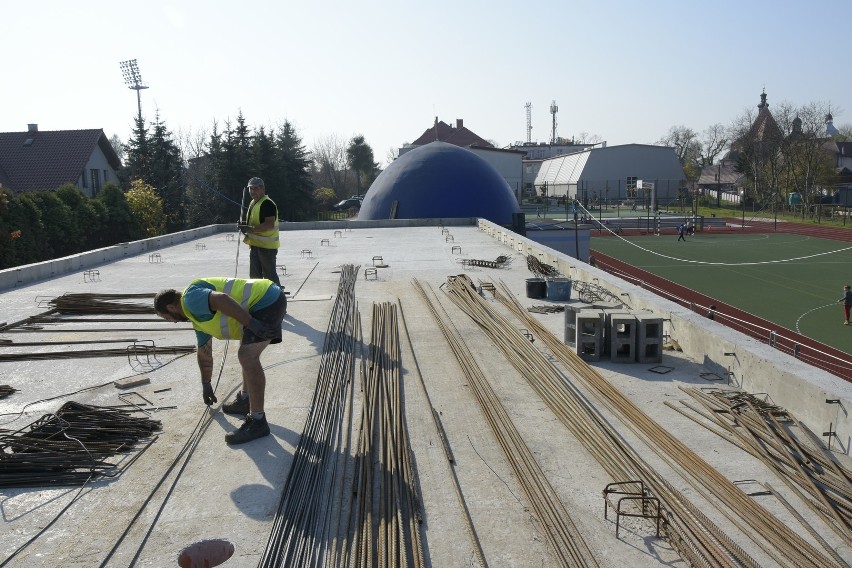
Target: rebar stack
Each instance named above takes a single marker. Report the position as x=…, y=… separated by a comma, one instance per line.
x=306, y=531
x=103, y=304
x=387, y=512
x=565, y=540
x=69, y=446
x=772, y=435
x=690, y=531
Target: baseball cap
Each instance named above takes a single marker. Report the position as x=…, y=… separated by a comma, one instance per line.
x=255, y=182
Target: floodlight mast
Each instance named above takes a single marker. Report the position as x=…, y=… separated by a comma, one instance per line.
x=133, y=80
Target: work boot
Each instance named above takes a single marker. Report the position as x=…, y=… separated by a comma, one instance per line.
x=252, y=428
x=238, y=407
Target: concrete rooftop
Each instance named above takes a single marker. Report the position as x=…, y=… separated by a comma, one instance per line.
x=189, y=486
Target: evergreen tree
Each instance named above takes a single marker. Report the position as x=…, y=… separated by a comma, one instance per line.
x=295, y=178
x=22, y=230
x=359, y=154
x=165, y=174
x=59, y=227
x=138, y=152
x=119, y=224
x=88, y=219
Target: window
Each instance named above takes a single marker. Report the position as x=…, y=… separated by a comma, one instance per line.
x=631, y=186
x=83, y=181
x=96, y=182
x=106, y=176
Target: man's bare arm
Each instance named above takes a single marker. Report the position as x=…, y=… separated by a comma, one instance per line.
x=204, y=354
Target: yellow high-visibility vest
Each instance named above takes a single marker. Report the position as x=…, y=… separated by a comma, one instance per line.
x=263, y=239
x=246, y=292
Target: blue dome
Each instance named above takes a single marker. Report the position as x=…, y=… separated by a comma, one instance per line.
x=440, y=180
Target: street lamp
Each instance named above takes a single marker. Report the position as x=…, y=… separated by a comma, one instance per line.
x=133, y=80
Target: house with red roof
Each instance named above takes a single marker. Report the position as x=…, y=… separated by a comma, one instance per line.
x=45, y=160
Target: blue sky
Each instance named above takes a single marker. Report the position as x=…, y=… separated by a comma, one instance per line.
x=626, y=71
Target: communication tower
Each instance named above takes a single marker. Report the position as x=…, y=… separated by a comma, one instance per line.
x=528, y=106
x=553, y=110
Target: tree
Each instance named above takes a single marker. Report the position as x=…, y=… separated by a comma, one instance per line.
x=146, y=207
x=359, y=157
x=295, y=171
x=329, y=155
x=21, y=231
x=117, y=146
x=87, y=219
x=714, y=140
x=687, y=147
x=119, y=224
x=164, y=174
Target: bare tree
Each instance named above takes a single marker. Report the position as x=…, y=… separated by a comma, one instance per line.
x=687, y=147
x=713, y=142
x=192, y=143
x=587, y=138
x=117, y=146
x=329, y=155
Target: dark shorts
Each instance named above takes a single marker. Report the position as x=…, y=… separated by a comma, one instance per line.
x=271, y=314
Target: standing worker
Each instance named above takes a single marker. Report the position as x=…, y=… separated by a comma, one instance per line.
x=847, y=303
x=261, y=232
x=215, y=307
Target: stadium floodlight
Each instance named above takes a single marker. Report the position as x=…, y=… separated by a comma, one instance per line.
x=133, y=80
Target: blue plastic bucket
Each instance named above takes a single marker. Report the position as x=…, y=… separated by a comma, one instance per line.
x=559, y=289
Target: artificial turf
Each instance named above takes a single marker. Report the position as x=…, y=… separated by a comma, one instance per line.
x=792, y=280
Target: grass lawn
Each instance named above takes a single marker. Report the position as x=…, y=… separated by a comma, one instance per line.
x=792, y=280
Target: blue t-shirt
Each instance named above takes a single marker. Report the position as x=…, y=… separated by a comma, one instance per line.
x=196, y=299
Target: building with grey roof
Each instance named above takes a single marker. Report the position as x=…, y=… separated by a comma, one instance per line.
x=44, y=160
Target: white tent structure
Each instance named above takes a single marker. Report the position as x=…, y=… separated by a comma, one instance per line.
x=611, y=173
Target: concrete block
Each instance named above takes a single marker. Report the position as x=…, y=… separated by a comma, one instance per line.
x=571, y=309
x=649, y=338
x=622, y=337
x=590, y=334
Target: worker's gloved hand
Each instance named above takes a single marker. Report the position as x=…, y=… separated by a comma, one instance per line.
x=262, y=330
x=244, y=229
x=209, y=397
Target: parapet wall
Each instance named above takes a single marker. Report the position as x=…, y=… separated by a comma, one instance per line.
x=27, y=274
x=753, y=366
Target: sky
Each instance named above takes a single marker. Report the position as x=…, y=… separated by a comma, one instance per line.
x=622, y=70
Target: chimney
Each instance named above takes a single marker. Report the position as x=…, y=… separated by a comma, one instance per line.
x=459, y=123
x=32, y=127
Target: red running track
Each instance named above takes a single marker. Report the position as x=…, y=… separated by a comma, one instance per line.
x=804, y=348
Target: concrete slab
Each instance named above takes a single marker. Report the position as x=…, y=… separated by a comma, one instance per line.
x=189, y=486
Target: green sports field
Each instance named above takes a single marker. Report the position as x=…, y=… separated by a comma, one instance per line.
x=793, y=280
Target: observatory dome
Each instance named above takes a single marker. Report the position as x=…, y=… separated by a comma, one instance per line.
x=440, y=180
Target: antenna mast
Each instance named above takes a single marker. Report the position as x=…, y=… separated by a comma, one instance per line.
x=553, y=111
x=528, y=106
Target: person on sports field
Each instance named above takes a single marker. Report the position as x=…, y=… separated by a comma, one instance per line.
x=261, y=232
x=215, y=307
x=847, y=303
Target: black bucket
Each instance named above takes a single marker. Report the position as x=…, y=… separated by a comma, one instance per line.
x=536, y=288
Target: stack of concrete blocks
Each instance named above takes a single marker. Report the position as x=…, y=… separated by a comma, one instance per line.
x=621, y=331
x=590, y=334
x=649, y=338
x=571, y=309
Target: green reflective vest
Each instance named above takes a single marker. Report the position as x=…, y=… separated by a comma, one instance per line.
x=263, y=239
x=245, y=292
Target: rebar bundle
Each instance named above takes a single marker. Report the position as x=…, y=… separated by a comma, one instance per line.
x=540, y=269
x=103, y=304
x=498, y=262
x=772, y=435
x=70, y=446
x=591, y=293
